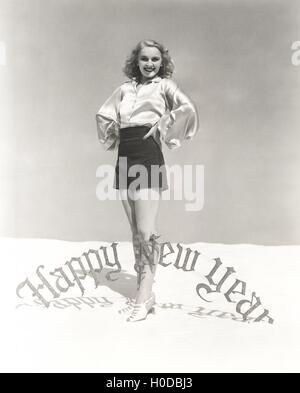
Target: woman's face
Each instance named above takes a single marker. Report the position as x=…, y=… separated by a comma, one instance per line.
x=149, y=62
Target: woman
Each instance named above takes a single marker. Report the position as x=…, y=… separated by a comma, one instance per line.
x=144, y=110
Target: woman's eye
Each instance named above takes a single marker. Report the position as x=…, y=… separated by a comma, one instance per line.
x=153, y=59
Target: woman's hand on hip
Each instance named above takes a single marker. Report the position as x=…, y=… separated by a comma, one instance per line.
x=152, y=131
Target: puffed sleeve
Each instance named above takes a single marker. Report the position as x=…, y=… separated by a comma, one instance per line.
x=108, y=123
x=181, y=120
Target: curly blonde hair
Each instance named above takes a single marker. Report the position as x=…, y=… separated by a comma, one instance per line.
x=131, y=68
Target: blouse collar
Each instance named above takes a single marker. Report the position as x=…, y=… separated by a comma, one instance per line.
x=156, y=79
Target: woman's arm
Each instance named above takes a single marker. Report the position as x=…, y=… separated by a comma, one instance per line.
x=108, y=123
x=181, y=122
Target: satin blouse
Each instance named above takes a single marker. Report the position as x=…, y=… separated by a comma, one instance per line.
x=157, y=101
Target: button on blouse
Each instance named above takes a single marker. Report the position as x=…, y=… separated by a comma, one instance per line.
x=157, y=101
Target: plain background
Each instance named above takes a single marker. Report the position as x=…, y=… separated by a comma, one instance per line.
x=233, y=58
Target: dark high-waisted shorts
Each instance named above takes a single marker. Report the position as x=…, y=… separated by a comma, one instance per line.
x=140, y=162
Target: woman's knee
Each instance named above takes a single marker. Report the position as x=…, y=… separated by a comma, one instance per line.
x=145, y=233
x=134, y=232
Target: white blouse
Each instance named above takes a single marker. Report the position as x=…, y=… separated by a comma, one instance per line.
x=157, y=101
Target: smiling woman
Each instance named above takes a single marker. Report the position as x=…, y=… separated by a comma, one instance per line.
x=138, y=113
x=150, y=61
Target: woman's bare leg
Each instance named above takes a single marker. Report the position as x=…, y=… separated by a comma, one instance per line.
x=146, y=206
x=128, y=205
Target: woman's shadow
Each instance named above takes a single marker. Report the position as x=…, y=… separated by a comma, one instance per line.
x=123, y=283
